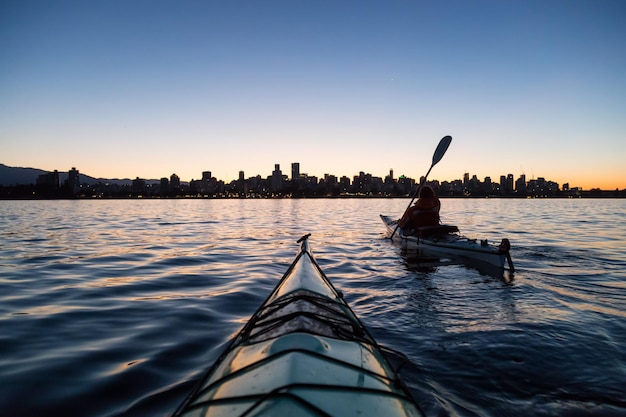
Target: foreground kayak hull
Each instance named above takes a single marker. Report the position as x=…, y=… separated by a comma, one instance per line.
x=453, y=244
x=303, y=353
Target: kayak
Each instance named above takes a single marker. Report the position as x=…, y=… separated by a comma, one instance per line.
x=446, y=240
x=302, y=353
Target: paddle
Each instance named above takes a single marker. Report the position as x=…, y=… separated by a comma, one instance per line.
x=439, y=152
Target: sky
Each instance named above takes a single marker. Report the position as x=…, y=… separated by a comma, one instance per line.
x=147, y=88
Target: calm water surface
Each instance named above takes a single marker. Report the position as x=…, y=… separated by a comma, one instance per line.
x=115, y=308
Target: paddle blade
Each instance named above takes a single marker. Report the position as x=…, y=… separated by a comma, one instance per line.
x=441, y=149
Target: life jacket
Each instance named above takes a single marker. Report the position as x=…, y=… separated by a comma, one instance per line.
x=424, y=213
x=424, y=217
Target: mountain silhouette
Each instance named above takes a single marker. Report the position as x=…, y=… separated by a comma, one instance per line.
x=10, y=176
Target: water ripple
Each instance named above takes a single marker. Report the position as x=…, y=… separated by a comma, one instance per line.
x=127, y=302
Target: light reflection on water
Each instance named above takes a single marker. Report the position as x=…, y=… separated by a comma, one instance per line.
x=128, y=301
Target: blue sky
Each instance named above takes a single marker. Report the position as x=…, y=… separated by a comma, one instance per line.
x=151, y=88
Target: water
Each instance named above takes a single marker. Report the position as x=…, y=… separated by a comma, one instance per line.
x=116, y=307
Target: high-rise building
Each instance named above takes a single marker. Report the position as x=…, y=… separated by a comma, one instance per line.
x=487, y=185
x=174, y=181
x=165, y=186
x=506, y=184
x=295, y=171
x=520, y=184
x=208, y=184
x=73, y=174
x=139, y=186
x=277, y=178
x=49, y=181
x=240, y=186
x=73, y=180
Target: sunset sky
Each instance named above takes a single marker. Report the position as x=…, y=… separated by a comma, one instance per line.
x=147, y=88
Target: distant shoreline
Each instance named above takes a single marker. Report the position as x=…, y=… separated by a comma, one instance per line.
x=581, y=195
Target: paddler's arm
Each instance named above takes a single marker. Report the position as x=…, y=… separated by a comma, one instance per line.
x=405, y=218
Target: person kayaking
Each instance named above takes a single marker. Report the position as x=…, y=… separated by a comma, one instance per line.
x=425, y=212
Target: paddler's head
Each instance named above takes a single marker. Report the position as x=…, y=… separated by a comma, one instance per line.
x=426, y=192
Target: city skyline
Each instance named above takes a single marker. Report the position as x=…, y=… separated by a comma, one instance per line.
x=126, y=88
x=294, y=172
x=73, y=184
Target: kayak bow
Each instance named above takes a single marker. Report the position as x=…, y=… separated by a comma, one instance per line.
x=303, y=353
x=445, y=240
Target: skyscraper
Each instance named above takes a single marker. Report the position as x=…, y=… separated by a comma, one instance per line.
x=73, y=180
x=295, y=171
x=174, y=181
x=277, y=178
